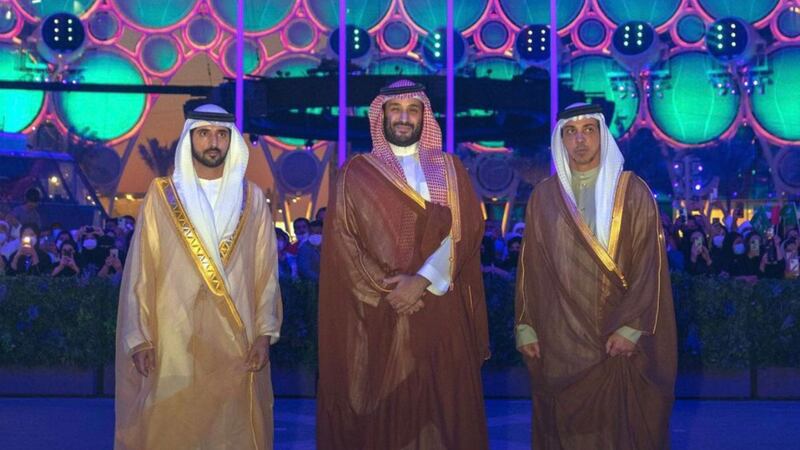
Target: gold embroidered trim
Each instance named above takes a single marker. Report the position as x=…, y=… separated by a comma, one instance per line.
x=589, y=237
x=453, y=198
x=226, y=246
x=395, y=180
x=197, y=251
x=616, y=214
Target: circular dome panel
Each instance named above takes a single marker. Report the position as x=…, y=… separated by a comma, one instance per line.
x=656, y=13
x=396, y=35
x=74, y=108
x=155, y=14
x=597, y=75
x=495, y=174
x=160, y=53
x=748, y=10
x=787, y=162
x=432, y=15
x=537, y=12
x=689, y=108
x=777, y=109
x=592, y=32
x=252, y=56
x=103, y=26
x=789, y=22
x=202, y=31
x=360, y=13
x=298, y=170
x=18, y=108
x=260, y=16
x=494, y=35
x=8, y=18
x=40, y=9
x=691, y=29
x=300, y=34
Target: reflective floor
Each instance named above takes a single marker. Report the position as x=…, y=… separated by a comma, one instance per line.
x=87, y=424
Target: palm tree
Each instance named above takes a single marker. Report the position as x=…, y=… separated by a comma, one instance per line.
x=159, y=159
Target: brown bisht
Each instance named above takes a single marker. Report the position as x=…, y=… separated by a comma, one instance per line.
x=575, y=294
x=388, y=381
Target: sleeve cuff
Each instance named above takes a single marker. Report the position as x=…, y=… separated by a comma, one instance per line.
x=525, y=334
x=629, y=333
x=138, y=348
x=439, y=285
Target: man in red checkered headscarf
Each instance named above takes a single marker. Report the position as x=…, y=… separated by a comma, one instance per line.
x=402, y=315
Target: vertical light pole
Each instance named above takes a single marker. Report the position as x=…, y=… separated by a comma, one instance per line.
x=342, y=144
x=553, y=72
x=450, y=111
x=239, y=95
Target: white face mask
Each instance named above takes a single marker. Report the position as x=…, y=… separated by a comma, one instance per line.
x=315, y=240
x=718, y=240
x=90, y=244
x=301, y=237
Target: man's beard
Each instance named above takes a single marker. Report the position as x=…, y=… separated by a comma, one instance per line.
x=208, y=161
x=394, y=139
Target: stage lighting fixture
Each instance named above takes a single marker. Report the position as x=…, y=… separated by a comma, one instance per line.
x=435, y=45
x=358, y=42
x=727, y=39
x=633, y=38
x=533, y=43
x=63, y=33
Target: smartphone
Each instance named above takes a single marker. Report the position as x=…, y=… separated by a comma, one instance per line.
x=698, y=242
x=114, y=252
x=26, y=241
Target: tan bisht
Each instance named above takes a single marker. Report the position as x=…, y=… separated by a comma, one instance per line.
x=389, y=381
x=575, y=289
x=200, y=308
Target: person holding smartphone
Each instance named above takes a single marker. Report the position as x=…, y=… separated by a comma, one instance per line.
x=699, y=260
x=772, y=261
x=29, y=259
x=67, y=266
x=112, y=266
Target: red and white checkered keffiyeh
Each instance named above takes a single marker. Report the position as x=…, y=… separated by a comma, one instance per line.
x=431, y=157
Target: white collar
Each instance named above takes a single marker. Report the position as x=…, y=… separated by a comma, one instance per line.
x=405, y=151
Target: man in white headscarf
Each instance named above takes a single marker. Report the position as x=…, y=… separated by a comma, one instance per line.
x=200, y=302
x=595, y=320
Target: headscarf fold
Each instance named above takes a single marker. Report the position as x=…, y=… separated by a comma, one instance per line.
x=611, y=164
x=431, y=157
x=214, y=223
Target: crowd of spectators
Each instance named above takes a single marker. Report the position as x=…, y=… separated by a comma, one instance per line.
x=29, y=248
x=726, y=247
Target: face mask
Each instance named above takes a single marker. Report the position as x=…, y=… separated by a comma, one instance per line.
x=15, y=232
x=755, y=246
x=56, y=232
x=738, y=249
x=301, y=237
x=718, y=240
x=90, y=244
x=315, y=240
